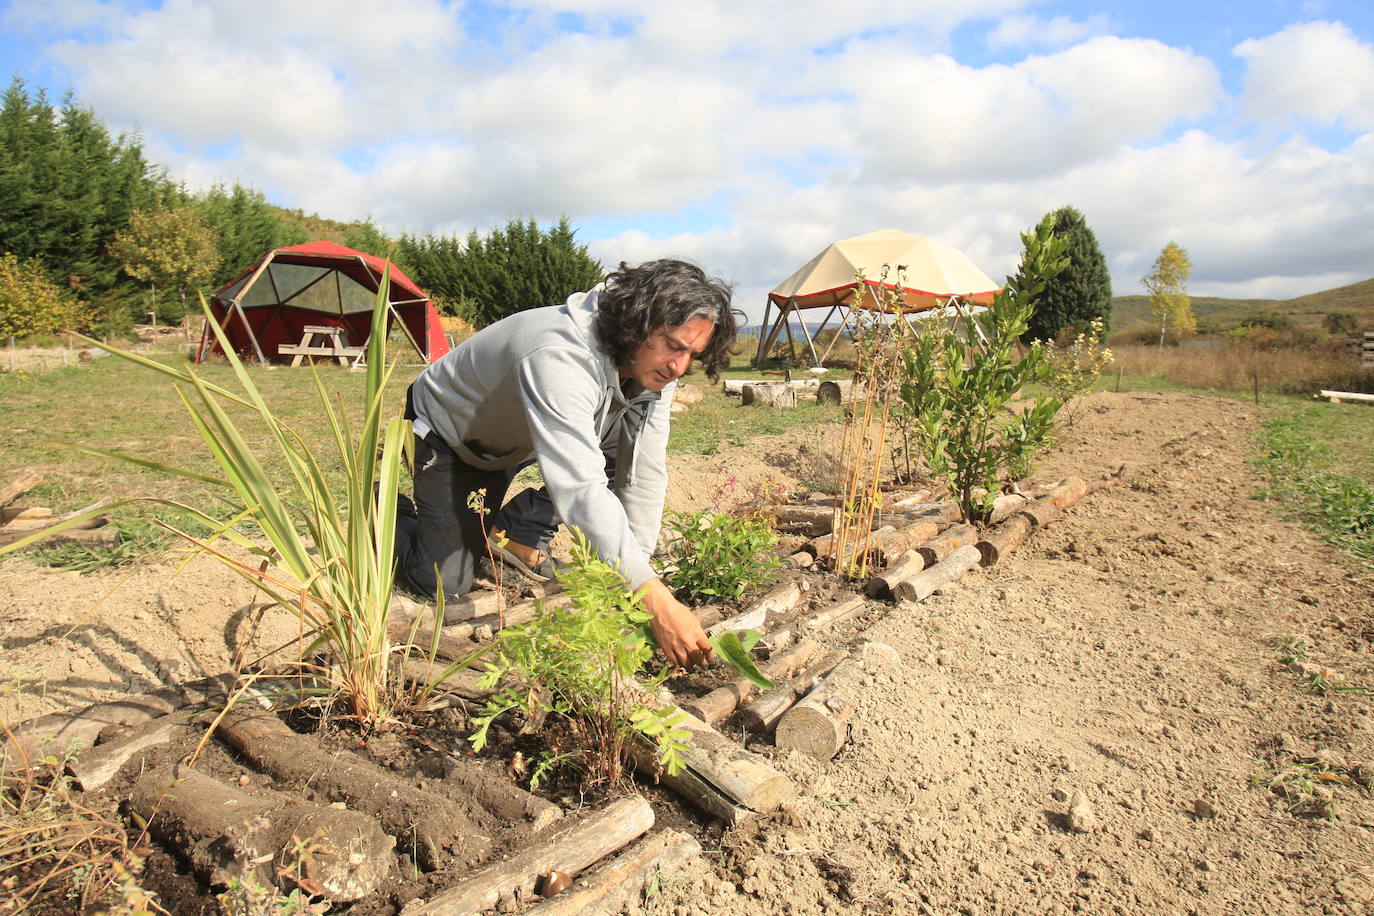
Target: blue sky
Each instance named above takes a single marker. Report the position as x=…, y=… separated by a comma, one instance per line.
x=746, y=136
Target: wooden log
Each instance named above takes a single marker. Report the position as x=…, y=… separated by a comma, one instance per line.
x=20, y=485
x=920, y=497
x=1067, y=493
x=569, y=851
x=808, y=520
x=436, y=826
x=1004, y=505
x=954, y=537
x=737, y=385
x=779, y=599
x=607, y=890
x=838, y=391
x=818, y=726
x=904, y=567
x=719, y=703
x=769, y=395
x=799, y=560
x=108, y=536
x=924, y=584
x=886, y=546
x=96, y=766
x=61, y=733
x=462, y=683
x=12, y=532
x=941, y=513
x=828, y=616
x=994, y=546
x=227, y=834
x=1040, y=511
x=762, y=713
x=501, y=797
x=17, y=514
x=720, y=775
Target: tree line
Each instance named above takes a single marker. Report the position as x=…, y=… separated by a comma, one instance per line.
x=94, y=236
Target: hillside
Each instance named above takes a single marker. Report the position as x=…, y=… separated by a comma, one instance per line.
x=1132, y=313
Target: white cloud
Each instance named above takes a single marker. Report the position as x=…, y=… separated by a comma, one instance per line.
x=1036, y=31
x=1318, y=72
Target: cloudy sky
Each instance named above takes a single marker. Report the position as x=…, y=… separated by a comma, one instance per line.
x=748, y=135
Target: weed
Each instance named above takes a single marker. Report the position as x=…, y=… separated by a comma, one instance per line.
x=1075, y=369
x=1292, y=648
x=1309, y=784
x=137, y=538
x=52, y=843
x=719, y=557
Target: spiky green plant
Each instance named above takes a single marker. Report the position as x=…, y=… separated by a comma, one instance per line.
x=328, y=551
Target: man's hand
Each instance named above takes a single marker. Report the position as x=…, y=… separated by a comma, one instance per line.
x=676, y=629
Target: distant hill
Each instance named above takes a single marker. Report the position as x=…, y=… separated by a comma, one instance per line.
x=1132, y=313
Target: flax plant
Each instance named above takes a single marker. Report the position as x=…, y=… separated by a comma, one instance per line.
x=329, y=538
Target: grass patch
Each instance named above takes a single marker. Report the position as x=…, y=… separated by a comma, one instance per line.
x=1318, y=461
x=720, y=420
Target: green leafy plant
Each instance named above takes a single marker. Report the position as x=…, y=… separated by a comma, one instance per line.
x=1310, y=784
x=321, y=543
x=580, y=663
x=1072, y=371
x=720, y=557
x=961, y=378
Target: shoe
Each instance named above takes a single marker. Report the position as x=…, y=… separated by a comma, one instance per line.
x=547, y=568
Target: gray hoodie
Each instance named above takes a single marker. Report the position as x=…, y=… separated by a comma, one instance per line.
x=538, y=384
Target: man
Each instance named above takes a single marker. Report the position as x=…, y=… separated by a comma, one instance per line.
x=583, y=389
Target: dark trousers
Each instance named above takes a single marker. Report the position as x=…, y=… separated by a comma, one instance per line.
x=445, y=534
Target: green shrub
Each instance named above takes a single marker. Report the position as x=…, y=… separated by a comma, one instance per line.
x=30, y=303
x=580, y=663
x=719, y=557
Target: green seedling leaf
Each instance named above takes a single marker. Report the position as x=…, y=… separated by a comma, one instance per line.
x=732, y=649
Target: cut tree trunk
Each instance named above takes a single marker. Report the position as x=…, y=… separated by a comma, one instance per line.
x=719, y=703
x=438, y=827
x=568, y=851
x=227, y=834
x=838, y=391
x=762, y=713
x=16, y=514
x=920, y=497
x=828, y=616
x=1004, y=505
x=19, y=486
x=718, y=775
x=1002, y=540
x=501, y=797
x=769, y=395
x=887, y=546
x=611, y=887
x=904, y=567
x=778, y=600
x=1040, y=511
x=951, y=540
x=96, y=766
x=16, y=532
x=1067, y=493
x=924, y=584
x=818, y=725
x=808, y=520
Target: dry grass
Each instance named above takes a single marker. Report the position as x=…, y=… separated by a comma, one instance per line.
x=1237, y=367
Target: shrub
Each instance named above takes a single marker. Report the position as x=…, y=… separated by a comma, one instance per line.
x=30, y=303
x=580, y=663
x=719, y=557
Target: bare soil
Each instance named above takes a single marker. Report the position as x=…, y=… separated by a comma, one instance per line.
x=1121, y=663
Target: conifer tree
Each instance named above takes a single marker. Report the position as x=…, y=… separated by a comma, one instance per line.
x=1080, y=292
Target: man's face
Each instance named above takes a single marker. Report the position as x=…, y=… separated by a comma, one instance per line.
x=668, y=353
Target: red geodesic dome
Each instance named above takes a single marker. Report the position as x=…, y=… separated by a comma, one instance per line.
x=321, y=284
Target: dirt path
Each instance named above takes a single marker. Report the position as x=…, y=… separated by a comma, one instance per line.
x=1124, y=655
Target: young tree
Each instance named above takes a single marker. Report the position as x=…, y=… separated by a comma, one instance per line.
x=1167, y=284
x=30, y=303
x=171, y=248
x=1082, y=291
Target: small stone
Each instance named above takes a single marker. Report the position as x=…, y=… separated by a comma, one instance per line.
x=1148, y=835
x=244, y=780
x=878, y=654
x=1082, y=818
x=944, y=657
x=1059, y=795
x=1204, y=808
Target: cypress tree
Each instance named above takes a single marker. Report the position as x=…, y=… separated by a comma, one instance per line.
x=1083, y=289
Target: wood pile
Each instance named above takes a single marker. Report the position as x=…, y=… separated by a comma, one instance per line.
x=88, y=525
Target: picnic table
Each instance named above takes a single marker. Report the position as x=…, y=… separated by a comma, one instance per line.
x=326, y=341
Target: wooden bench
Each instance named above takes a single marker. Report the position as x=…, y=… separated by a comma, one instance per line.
x=324, y=341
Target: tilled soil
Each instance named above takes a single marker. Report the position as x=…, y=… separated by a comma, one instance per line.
x=1101, y=724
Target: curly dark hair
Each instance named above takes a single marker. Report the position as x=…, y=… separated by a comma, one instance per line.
x=641, y=300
